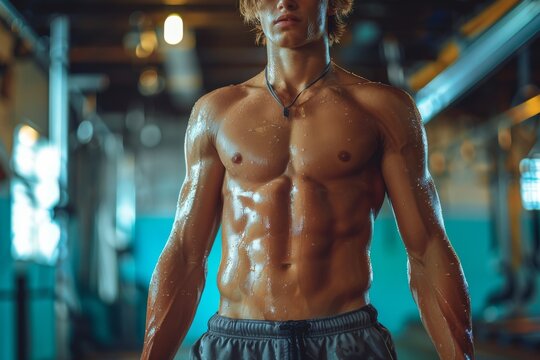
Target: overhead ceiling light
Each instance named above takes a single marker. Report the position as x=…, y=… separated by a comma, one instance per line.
x=173, y=29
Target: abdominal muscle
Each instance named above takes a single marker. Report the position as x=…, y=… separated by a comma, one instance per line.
x=291, y=255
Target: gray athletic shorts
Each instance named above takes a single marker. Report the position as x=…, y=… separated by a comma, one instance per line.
x=352, y=335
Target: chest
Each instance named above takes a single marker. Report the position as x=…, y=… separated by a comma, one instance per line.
x=325, y=137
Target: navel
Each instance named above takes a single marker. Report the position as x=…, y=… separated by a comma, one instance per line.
x=237, y=158
x=344, y=155
x=285, y=266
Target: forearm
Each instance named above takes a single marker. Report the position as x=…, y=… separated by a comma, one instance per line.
x=173, y=298
x=440, y=291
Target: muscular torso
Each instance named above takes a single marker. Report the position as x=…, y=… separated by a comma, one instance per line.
x=300, y=195
x=297, y=199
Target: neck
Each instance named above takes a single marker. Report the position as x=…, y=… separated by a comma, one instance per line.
x=290, y=70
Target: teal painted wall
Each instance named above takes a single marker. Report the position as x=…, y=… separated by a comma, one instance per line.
x=390, y=291
x=151, y=233
x=41, y=335
x=7, y=304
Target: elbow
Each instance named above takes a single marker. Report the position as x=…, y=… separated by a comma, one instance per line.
x=423, y=247
x=417, y=249
x=185, y=250
x=193, y=257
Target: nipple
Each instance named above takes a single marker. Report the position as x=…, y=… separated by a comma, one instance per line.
x=237, y=158
x=344, y=155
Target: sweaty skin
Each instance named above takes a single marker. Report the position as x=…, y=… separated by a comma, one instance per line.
x=297, y=198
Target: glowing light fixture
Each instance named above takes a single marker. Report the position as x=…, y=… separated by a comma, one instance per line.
x=47, y=162
x=35, y=192
x=530, y=183
x=530, y=178
x=173, y=29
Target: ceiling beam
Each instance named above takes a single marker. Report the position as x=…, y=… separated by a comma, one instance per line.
x=480, y=58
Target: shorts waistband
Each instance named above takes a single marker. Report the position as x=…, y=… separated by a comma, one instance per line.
x=363, y=317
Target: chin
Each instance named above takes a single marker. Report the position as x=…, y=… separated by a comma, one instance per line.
x=290, y=41
x=289, y=44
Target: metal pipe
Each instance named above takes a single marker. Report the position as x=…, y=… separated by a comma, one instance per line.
x=59, y=139
x=480, y=58
x=58, y=92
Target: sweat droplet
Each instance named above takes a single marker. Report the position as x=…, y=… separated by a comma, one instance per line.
x=237, y=158
x=344, y=155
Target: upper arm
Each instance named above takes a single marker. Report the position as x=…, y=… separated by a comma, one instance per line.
x=409, y=185
x=199, y=203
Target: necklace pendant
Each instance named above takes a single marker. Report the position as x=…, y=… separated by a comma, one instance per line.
x=276, y=97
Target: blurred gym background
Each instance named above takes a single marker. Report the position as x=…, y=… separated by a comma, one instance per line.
x=94, y=100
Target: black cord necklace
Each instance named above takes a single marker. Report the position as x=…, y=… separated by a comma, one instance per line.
x=286, y=108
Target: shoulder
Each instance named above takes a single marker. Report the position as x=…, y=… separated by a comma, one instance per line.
x=223, y=98
x=382, y=98
x=391, y=108
x=371, y=92
x=219, y=99
x=211, y=108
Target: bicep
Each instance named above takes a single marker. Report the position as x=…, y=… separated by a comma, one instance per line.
x=409, y=185
x=199, y=205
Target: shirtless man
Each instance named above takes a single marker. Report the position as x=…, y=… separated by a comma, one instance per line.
x=297, y=189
